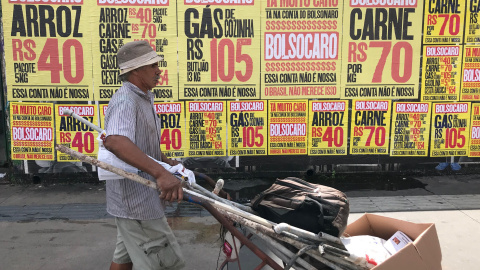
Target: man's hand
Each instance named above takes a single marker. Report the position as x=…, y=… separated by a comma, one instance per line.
x=170, y=187
x=169, y=161
x=172, y=162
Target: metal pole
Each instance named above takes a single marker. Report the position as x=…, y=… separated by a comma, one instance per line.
x=5, y=108
x=153, y=185
x=191, y=196
x=83, y=120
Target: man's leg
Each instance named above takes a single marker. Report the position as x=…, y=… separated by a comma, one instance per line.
x=121, y=259
x=151, y=244
x=125, y=266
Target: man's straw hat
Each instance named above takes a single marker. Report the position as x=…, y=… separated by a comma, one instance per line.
x=136, y=54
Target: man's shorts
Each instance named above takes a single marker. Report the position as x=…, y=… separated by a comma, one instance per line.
x=148, y=244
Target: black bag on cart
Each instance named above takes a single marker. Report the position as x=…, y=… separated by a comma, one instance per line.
x=312, y=207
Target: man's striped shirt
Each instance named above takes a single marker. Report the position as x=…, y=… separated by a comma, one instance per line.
x=130, y=113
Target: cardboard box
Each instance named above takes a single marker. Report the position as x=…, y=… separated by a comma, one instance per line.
x=422, y=254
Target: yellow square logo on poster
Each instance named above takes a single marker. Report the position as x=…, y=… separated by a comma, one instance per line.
x=410, y=128
x=370, y=127
x=47, y=50
x=74, y=134
x=471, y=73
x=474, y=145
x=218, y=49
x=441, y=71
x=301, y=49
x=31, y=131
x=444, y=22
x=381, y=49
x=472, y=19
x=173, y=141
x=287, y=127
x=450, y=129
x=206, y=134
x=327, y=127
x=119, y=22
x=247, y=128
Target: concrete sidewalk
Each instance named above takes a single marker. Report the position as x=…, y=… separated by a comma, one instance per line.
x=67, y=227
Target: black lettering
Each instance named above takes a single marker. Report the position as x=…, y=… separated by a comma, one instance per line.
x=47, y=19
x=64, y=16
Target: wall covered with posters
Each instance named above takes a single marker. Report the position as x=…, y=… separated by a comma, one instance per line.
x=251, y=78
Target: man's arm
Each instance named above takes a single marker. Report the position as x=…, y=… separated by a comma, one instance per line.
x=127, y=151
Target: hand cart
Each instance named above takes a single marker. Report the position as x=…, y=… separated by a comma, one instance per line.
x=309, y=249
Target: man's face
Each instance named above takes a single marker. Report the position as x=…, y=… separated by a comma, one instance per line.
x=148, y=76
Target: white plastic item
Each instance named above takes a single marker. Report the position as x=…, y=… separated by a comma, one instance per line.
x=234, y=243
x=367, y=247
x=108, y=157
x=190, y=176
x=187, y=174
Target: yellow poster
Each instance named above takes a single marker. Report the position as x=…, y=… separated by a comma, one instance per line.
x=472, y=19
x=444, y=21
x=287, y=127
x=31, y=131
x=450, y=129
x=410, y=128
x=73, y=134
x=471, y=73
x=327, y=127
x=474, y=146
x=172, y=122
x=381, y=49
x=301, y=49
x=370, y=127
x=206, y=134
x=247, y=128
x=115, y=23
x=218, y=50
x=103, y=110
x=441, y=71
x=47, y=50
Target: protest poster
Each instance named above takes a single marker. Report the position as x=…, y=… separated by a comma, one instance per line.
x=172, y=122
x=369, y=128
x=444, y=22
x=103, y=110
x=287, y=127
x=450, y=129
x=472, y=22
x=47, y=50
x=247, y=128
x=218, y=49
x=74, y=134
x=441, y=71
x=31, y=131
x=327, y=127
x=119, y=22
x=381, y=49
x=470, y=79
x=474, y=145
x=410, y=128
x=301, y=49
x=206, y=122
